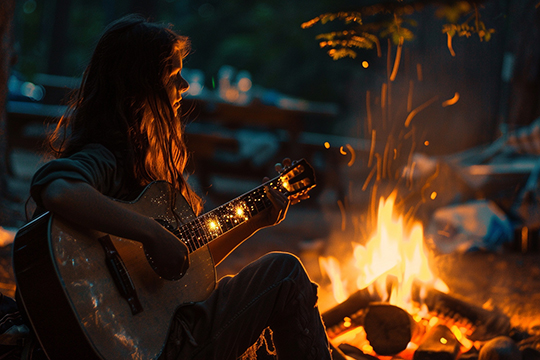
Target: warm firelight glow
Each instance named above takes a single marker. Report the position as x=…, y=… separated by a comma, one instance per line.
x=327, y=145
x=365, y=64
x=239, y=211
x=331, y=266
x=393, y=250
x=394, y=253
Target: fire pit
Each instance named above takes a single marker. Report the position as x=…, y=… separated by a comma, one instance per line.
x=401, y=309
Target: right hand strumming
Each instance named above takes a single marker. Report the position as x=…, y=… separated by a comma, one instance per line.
x=168, y=256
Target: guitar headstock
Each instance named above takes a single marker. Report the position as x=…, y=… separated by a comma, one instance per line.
x=296, y=180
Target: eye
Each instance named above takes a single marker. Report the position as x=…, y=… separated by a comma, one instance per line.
x=175, y=77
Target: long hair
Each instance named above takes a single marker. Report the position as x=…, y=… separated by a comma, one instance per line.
x=122, y=103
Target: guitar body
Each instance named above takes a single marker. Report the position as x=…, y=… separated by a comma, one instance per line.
x=90, y=295
x=72, y=300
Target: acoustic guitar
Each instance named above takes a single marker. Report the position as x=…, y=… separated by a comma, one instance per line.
x=90, y=295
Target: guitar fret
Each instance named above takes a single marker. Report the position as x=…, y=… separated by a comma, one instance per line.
x=203, y=239
x=186, y=239
x=189, y=241
x=205, y=228
x=197, y=236
x=213, y=224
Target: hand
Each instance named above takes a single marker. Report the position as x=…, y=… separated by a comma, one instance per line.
x=168, y=256
x=286, y=163
x=278, y=211
x=280, y=202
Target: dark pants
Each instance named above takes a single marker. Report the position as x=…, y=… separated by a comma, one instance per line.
x=273, y=291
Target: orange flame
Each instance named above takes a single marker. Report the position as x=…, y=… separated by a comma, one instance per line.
x=393, y=250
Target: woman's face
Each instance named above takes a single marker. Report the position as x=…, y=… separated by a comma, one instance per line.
x=175, y=84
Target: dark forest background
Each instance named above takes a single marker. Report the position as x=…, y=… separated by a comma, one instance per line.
x=498, y=81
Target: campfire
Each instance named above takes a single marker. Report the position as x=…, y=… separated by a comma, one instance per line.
x=386, y=301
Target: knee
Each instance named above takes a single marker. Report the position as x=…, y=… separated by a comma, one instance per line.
x=291, y=268
x=283, y=260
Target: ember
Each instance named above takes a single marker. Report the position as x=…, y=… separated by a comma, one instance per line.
x=398, y=307
x=393, y=250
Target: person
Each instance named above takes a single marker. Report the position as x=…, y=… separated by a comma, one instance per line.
x=122, y=131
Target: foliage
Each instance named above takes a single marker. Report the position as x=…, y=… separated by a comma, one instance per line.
x=392, y=20
x=464, y=29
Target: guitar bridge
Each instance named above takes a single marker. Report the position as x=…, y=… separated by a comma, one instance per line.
x=120, y=275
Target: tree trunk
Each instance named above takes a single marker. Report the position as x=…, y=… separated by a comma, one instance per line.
x=7, y=11
x=525, y=84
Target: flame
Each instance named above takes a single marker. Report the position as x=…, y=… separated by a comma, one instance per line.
x=331, y=266
x=394, y=251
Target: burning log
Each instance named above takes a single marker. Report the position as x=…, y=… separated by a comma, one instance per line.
x=439, y=344
x=350, y=309
x=486, y=324
x=355, y=353
x=388, y=328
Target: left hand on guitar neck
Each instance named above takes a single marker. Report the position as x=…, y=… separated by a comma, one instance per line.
x=280, y=202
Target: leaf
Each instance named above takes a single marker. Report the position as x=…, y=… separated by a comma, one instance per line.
x=337, y=54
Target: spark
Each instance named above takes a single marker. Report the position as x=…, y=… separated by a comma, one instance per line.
x=451, y=101
x=372, y=149
x=449, y=44
x=383, y=95
x=418, y=109
x=397, y=60
x=368, y=179
x=343, y=216
x=385, y=159
x=327, y=145
x=353, y=155
x=365, y=64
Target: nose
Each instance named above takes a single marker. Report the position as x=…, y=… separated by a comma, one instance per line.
x=183, y=85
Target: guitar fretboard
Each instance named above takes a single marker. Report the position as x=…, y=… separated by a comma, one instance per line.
x=217, y=222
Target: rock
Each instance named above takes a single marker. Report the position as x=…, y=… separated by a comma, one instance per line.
x=500, y=348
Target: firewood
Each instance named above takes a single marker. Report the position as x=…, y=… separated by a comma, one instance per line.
x=356, y=302
x=487, y=323
x=388, y=328
x=500, y=348
x=439, y=344
x=355, y=353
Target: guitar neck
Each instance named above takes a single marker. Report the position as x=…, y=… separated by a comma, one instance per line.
x=217, y=222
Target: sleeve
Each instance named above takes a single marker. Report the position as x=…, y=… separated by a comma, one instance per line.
x=94, y=164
